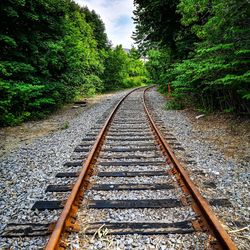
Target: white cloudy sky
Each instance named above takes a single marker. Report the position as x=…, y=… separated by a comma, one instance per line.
x=117, y=16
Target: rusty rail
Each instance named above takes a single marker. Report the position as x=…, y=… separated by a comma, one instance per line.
x=211, y=220
x=70, y=208
x=66, y=221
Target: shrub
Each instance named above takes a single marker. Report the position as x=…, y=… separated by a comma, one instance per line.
x=22, y=101
x=134, y=81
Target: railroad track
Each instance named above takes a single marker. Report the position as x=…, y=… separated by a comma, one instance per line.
x=130, y=183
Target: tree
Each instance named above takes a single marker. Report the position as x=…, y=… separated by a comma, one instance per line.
x=209, y=60
x=48, y=54
x=123, y=70
x=52, y=52
x=219, y=66
x=81, y=57
x=98, y=28
x=115, y=68
x=157, y=23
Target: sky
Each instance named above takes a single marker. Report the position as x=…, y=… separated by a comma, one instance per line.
x=117, y=17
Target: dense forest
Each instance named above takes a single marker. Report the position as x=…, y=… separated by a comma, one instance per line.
x=199, y=47
x=52, y=51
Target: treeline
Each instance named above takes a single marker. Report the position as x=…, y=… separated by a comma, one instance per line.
x=52, y=51
x=200, y=47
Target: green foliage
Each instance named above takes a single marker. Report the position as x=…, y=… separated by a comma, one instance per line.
x=174, y=104
x=135, y=81
x=92, y=85
x=214, y=70
x=15, y=70
x=65, y=125
x=98, y=28
x=157, y=22
x=123, y=70
x=159, y=61
x=115, y=68
x=8, y=41
x=49, y=52
x=22, y=101
x=81, y=55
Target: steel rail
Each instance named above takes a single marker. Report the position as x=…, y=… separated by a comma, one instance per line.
x=214, y=225
x=59, y=228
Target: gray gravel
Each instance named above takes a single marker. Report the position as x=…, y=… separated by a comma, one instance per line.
x=166, y=215
x=101, y=240
x=132, y=168
x=26, y=171
x=140, y=242
x=137, y=179
x=231, y=177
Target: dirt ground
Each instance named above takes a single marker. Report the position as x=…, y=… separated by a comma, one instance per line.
x=12, y=137
x=233, y=139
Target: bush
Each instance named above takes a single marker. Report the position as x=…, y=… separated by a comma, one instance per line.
x=22, y=101
x=92, y=84
x=174, y=104
x=135, y=81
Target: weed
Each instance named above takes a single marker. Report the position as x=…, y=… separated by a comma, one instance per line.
x=174, y=105
x=65, y=125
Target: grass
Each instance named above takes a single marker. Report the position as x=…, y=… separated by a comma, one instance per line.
x=65, y=125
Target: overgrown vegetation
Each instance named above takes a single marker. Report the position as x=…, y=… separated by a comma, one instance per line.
x=201, y=48
x=123, y=70
x=52, y=51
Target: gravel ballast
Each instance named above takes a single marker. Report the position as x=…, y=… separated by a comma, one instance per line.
x=231, y=176
x=27, y=170
x=106, y=214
